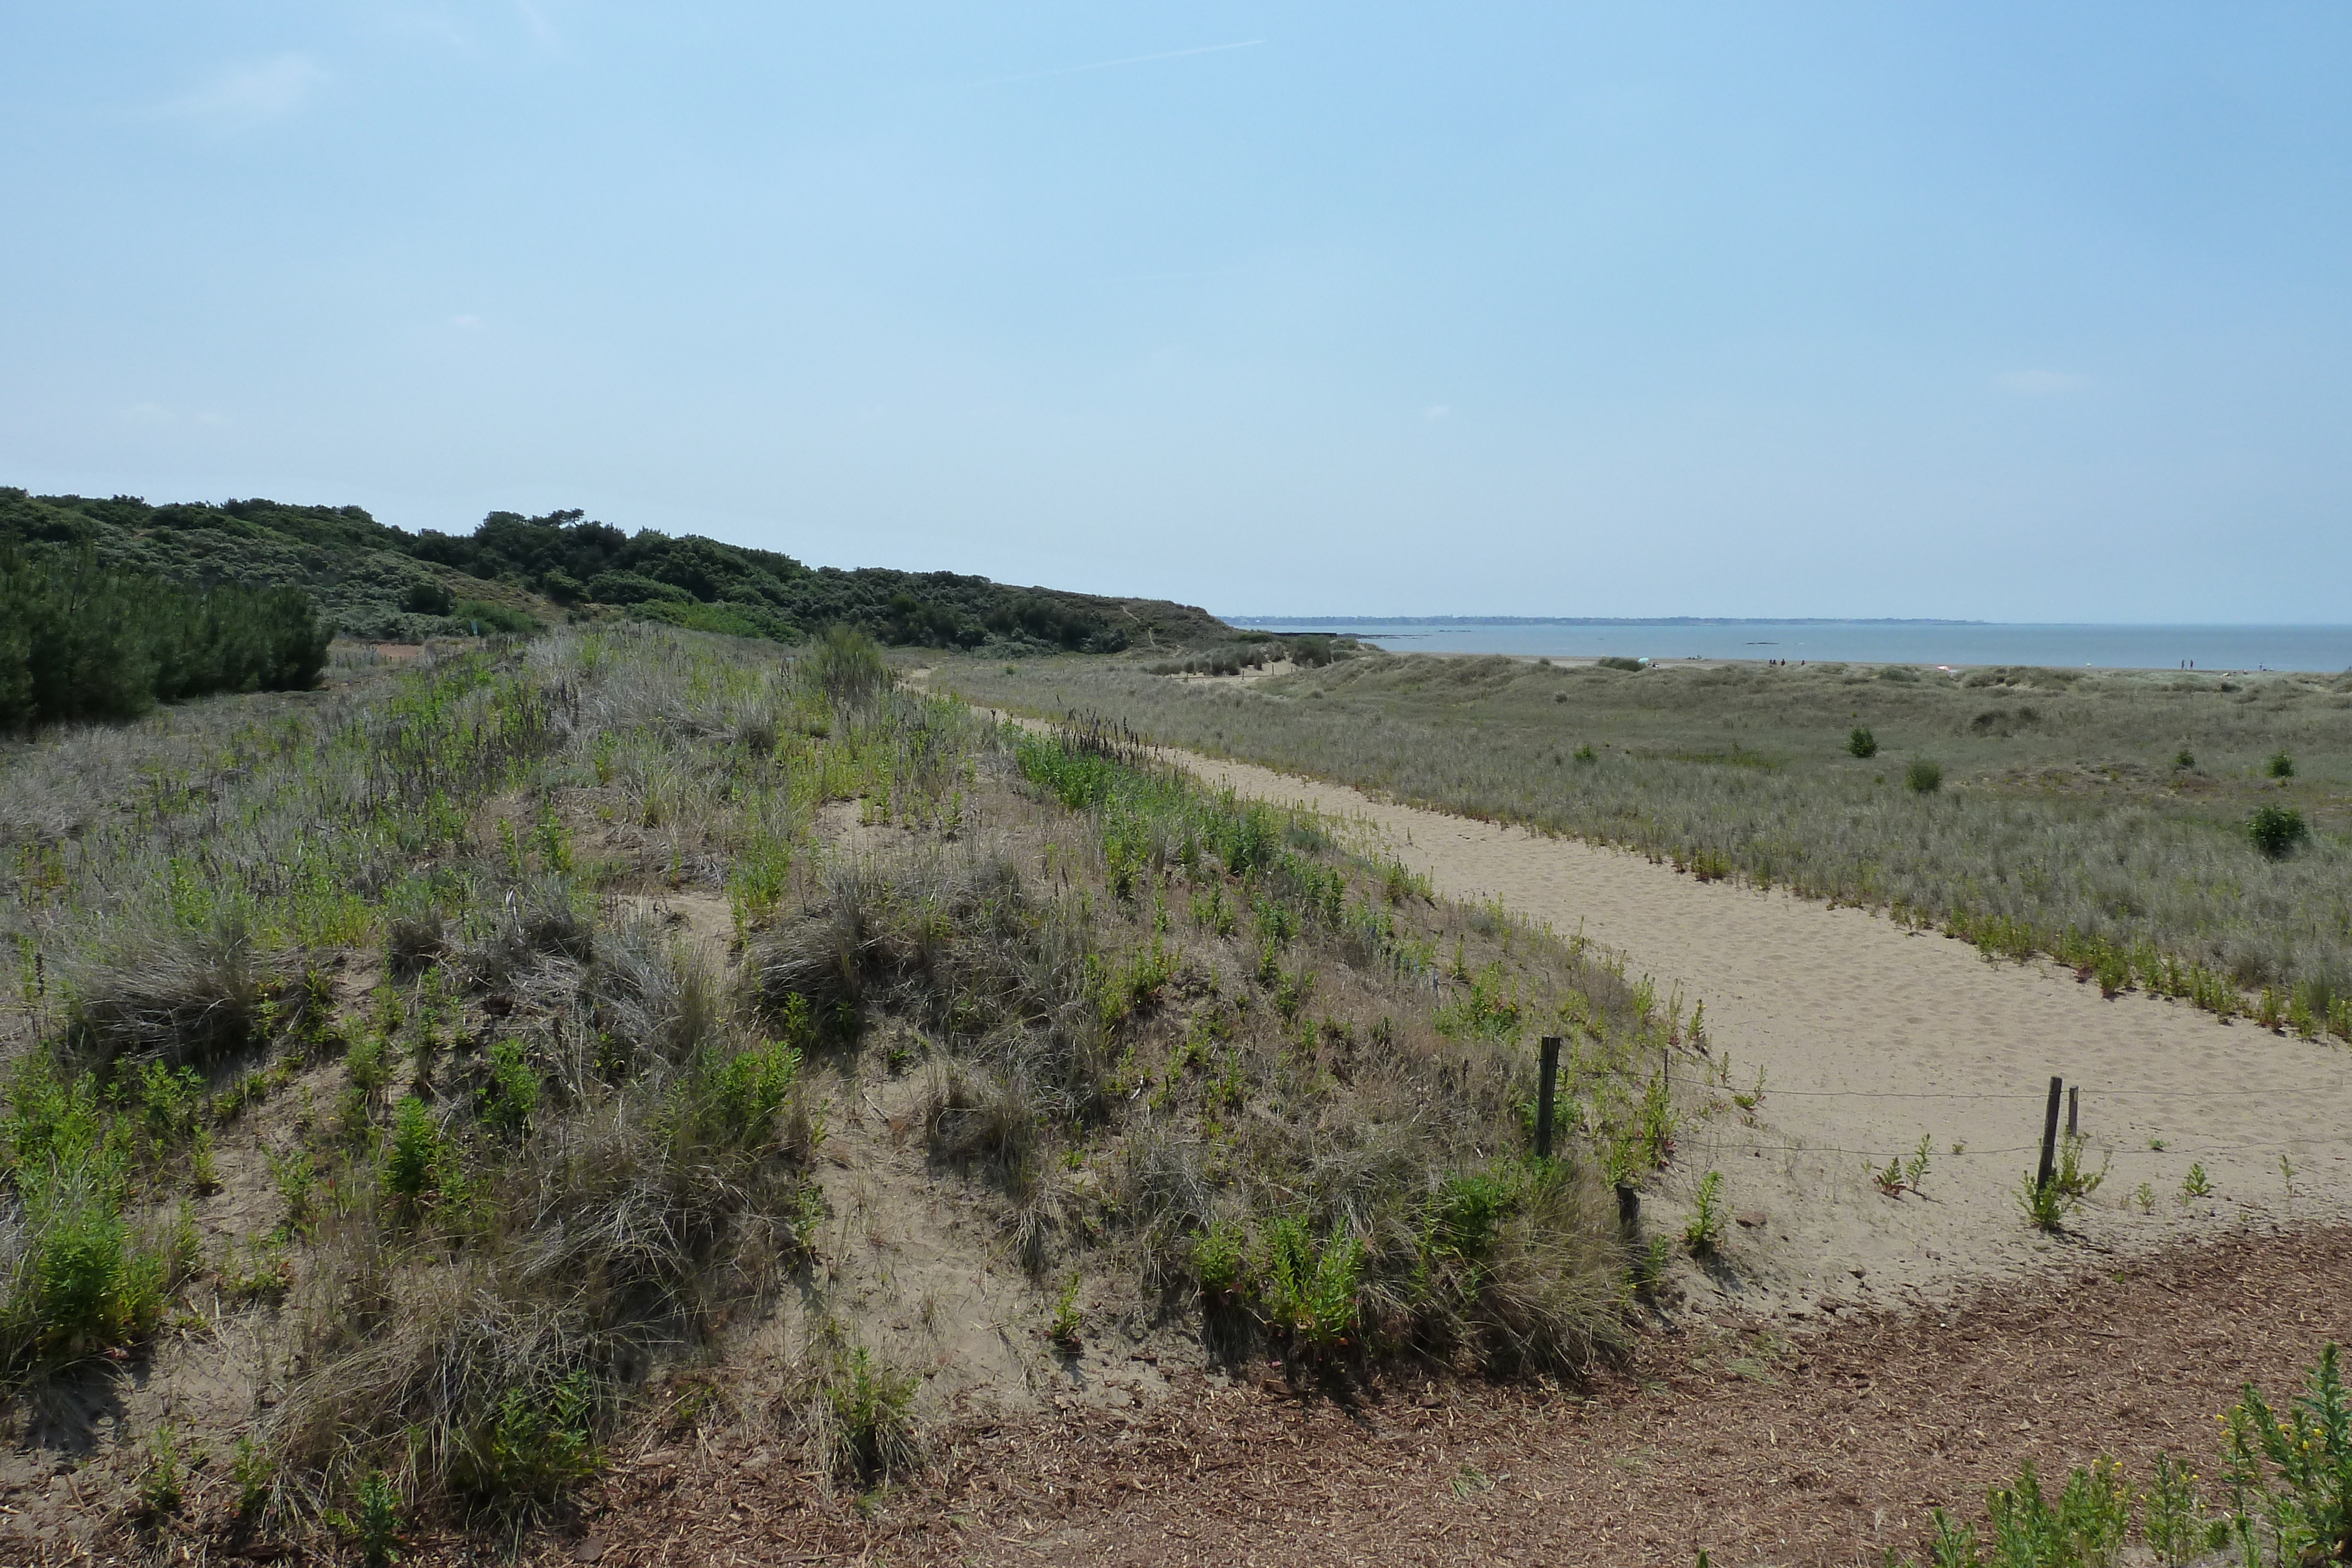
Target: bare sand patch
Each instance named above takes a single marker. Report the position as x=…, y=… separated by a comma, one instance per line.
x=1871, y=1038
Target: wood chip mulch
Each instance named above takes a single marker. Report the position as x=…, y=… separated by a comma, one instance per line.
x=1824, y=1449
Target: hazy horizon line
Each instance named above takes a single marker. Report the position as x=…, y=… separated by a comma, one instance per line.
x=1251, y=622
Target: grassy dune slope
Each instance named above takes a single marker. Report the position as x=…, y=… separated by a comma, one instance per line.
x=416, y=1087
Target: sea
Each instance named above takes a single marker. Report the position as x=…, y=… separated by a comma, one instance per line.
x=2327, y=648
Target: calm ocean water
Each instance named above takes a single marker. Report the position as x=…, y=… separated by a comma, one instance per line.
x=2322, y=648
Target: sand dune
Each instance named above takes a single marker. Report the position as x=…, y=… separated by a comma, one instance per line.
x=1871, y=1038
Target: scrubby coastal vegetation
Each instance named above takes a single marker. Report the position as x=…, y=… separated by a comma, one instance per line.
x=78, y=641
x=513, y=572
x=408, y=1084
x=425, y=1072
x=2182, y=833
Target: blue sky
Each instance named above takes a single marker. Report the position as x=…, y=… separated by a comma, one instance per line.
x=2012, y=311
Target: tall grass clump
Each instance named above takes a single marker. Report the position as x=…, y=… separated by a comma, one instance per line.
x=846, y=666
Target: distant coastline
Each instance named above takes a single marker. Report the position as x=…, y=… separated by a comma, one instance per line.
x=1250, y=621
x=1884, y=641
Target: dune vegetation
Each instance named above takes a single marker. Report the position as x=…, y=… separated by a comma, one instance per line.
x=78, y=641
x=382, y=1121
x=2183, y=833
x=512, y=573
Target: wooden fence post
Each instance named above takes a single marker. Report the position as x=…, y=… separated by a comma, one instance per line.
x=2050, y=1136
x=1548, y=1071
x=2073, y=1109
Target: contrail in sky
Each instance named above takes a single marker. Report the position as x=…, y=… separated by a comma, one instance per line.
x=1129, y=60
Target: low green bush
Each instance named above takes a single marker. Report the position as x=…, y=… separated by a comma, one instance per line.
x=1310, y=1288
x=80, y=1282
x=2275, y=831
x=533, y=1445
x=1924, y=777
x=482, y=617
x=1469, y=1210
x=376, y=1525
x=867, y=1411
x=78, y=1279
x=751, y=1086
x=414, y=1161
x=1861, y=742
x=2288, y=1474
x=510, y=1093
x=1220, y=1262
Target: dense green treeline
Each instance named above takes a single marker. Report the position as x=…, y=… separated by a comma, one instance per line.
x=80, y=641
x=381, y=583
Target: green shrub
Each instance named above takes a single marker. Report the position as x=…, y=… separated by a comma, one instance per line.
x=162, y=1485
x=377, y=1523
x=535, y=1444
x=728, y=620
x=2275, y=831
x=1614, y=663
x=1469, y=1209
x=1707, y=1223
x=505, y=1103
x=2288, y=1475
x=250, y=1471
x=1219, y=1258
x=2047, y=1202
x=80, y=1282
x=1069, y=1323
x=2280, y=765
x=868, y=1408
x=1922, y=776
x=1310, y=1292
x=2071, y=1176
x=1861, y=742
x=80, y=641
x=752, y=1085
x=369, y=1064
x=2087, y=1525
x=481, y=617
x=412, y=1164
x=2298, y=1463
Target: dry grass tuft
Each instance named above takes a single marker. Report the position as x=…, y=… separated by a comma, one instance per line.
x=171, y=994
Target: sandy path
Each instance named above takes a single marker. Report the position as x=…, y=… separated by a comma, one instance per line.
x=1871, y=1037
